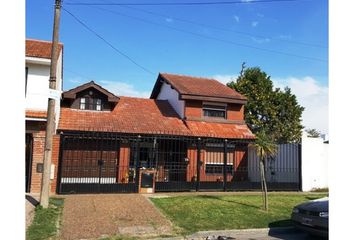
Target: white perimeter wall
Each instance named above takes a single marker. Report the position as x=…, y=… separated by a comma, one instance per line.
x=38, y=86
x=314, y=163
x=167, y=93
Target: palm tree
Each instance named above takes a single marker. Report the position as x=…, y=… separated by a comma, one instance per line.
x=264, y=148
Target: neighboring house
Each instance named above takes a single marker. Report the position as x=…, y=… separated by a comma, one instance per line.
x=38, y=58
x=314, y=162
x=105, y=140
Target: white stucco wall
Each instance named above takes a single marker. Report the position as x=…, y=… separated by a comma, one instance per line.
x=167, y=93
x=314, y=163
x=38, y=84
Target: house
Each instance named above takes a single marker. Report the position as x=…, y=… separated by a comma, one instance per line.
x=191, y=134
x=38, y=58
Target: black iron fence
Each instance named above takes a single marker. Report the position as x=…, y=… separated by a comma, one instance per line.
x=92, y=162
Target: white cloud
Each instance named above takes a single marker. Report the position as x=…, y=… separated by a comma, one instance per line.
x=247, y=1
x=169, y=20
x=224, y=78
x=123, y=89
x=254, y=24
x=237, y=18
x=260, y=40
x=311, y=95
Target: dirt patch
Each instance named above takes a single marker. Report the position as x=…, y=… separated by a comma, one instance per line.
x=94, y=216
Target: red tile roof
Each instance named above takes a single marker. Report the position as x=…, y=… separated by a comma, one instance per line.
x=36, y=114
x=220, y=130
x=130, y=115
x=145, y=116
x=40, y=48
x=197, y=86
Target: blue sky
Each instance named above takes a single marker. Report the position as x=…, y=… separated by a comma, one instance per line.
x=221, y=37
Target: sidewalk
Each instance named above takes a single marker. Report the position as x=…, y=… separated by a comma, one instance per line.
x=288, y=233
x=31, y=203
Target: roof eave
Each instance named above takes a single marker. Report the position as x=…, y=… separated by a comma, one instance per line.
x=212, y=98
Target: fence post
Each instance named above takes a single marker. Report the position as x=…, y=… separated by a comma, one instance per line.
x=137, y=160
x=225, y=165
x=198, y=164
x=300, y=165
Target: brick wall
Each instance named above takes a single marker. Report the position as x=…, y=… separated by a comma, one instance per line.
x=194, y=109
x=37, y=129
x=240, y=164
x=235, y=111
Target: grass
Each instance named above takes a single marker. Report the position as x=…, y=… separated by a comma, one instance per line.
x=216, y=212
x=46, y=221
x=320, y=190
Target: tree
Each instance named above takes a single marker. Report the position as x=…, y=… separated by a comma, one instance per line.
x=313, y=133
x=270, y=110
x=265, y=148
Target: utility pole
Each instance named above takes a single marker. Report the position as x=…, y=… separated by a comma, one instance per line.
x=47, y=162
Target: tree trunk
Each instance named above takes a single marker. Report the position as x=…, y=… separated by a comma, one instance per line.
x=264, y=186
x=261, y=180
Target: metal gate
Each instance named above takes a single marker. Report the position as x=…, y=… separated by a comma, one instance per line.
x=92, y=162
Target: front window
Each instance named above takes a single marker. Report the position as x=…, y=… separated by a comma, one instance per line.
x=214, y=111
x=214, y=159
x=91, y=104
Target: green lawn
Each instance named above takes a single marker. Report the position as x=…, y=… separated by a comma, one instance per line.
x=217, y=212
x=46, y=221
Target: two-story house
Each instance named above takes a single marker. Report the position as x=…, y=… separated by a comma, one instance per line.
x=38, y=59
x=191, y=134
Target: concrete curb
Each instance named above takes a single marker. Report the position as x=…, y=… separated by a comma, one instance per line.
x=202, y=235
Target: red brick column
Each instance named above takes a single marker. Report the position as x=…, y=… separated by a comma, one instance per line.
x=192, y=165
x=241, y=163
x=37, y=157
x=123, y=167
x=55, y=161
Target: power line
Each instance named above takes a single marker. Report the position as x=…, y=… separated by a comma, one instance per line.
x=185, y=3
x=223, y=29
x=108, y=43
x=212, y=38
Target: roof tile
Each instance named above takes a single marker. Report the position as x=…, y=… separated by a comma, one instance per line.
x=40, y=48
x=145, y=116
x=200, y=86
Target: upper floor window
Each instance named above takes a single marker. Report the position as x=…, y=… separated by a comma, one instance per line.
x=214, y=110
x=91, y=104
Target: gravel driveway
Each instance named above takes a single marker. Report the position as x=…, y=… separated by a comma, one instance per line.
x=94, y=216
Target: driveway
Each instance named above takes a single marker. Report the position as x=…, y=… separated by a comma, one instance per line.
x=94, y=216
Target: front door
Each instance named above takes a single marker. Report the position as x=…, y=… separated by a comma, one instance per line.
x=29, y=144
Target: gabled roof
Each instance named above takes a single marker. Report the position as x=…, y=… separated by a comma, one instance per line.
x=197, y=88
x=72, y=92
x=146, y=116
x=40, y=48
x=130, y=115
